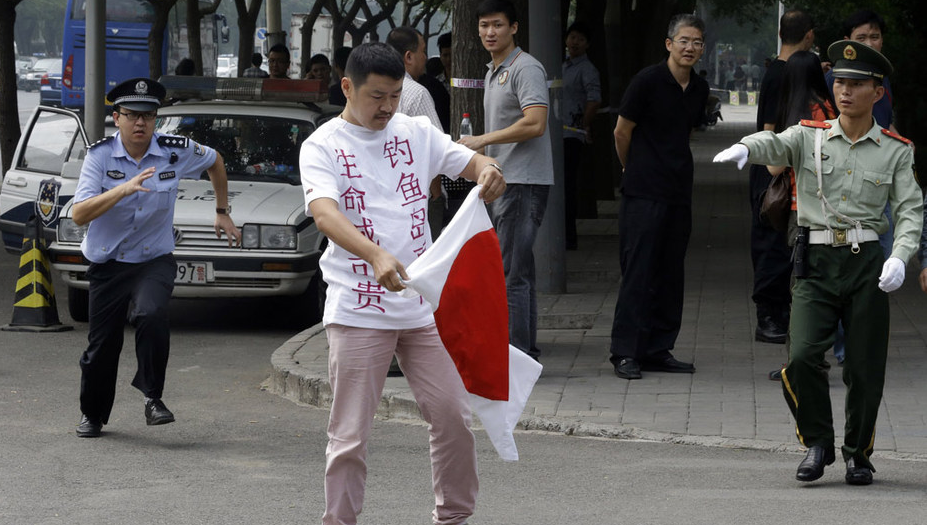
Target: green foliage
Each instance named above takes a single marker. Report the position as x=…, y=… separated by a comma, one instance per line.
x=40, y=17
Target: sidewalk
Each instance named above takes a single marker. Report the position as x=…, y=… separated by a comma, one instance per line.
x=729, y=401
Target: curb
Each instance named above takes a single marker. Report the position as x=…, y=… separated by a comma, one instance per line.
x=306, y=383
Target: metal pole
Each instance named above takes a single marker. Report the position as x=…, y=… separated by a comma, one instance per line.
x=275, y=35
x=95, y=70
x=780, y=10
x=546, y=45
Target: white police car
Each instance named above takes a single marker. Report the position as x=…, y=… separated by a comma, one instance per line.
x=258, y=128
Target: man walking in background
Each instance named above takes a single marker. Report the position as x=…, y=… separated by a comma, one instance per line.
x=770, y=254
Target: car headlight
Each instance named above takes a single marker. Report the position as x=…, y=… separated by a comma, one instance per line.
x=268, y=236
x=69, y=231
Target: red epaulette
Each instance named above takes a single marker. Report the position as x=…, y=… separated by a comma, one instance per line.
x=900, y=138
x=814, y=124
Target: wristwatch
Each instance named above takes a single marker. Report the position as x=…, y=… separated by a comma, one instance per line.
x=224, y=211
x=497, y=167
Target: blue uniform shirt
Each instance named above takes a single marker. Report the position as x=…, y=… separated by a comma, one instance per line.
x=139, y=227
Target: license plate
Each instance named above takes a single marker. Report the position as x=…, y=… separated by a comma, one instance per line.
x=193, y=273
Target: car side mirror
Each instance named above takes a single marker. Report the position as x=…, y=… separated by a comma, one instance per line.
x=72, y=169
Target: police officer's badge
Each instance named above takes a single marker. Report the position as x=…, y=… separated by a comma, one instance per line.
x=503, y=77
x=46, y=203
x=141, y=88
x=850, y=53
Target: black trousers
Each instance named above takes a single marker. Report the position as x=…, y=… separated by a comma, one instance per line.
x=770, y=257
x=653, y=240
x=115, y=287
x=573, y=149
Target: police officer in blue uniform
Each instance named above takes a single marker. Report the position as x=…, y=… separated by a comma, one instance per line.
x=126, y=192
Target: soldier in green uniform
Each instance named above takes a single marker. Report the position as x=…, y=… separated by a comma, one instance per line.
x=843, y=183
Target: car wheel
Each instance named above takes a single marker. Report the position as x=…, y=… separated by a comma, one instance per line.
x=307, y=308
x=79, y=304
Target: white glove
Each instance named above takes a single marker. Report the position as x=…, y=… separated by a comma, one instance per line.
x=737, y=153
x=893, y=274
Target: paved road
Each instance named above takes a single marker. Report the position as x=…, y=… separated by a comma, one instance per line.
x=241, y=455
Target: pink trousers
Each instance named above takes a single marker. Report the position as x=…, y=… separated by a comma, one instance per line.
x=359, y=359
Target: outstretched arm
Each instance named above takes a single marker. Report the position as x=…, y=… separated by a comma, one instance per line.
x=88, y=210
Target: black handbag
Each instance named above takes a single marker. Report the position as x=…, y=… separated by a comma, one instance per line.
x=776, y=202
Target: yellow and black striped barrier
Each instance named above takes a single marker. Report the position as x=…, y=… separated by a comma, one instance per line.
x=34, y=306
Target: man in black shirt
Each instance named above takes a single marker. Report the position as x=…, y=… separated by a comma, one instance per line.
x=336, y=96
x=770, y=254
x=661, y=106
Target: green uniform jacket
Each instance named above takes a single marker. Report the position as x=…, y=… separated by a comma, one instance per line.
x=857, y=179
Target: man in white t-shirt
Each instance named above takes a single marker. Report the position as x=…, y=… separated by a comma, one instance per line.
x=366, y=176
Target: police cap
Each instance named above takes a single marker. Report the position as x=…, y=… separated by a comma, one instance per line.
x=853, y=59
x=137, y=94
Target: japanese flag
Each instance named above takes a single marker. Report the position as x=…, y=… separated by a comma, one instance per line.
x=461, y=276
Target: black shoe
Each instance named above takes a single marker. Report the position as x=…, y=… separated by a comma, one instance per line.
x=628, y=369
x=813, y=466
x=768, y=331
x=156, y=413
x=667, y=364
x=857, y=475
x=89, y=427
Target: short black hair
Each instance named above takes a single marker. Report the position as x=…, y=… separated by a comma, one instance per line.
x=256, y=59
x=340, y=57
x=279, y=48
x=185, y=67
x=444, y=41
x=318, y=58
x=374, y=58
x=682, y=20
x=434, y=67
x=794, y=25
x=582, y=28
x=862, y=17
x=489, y=7
x=404, y=39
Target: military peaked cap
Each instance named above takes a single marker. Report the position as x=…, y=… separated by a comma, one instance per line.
x=853, y=59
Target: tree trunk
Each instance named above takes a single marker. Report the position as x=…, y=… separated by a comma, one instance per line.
x=9, y=107
x=194, y=48
x=468, y=62
x=640, y=27
x=306, y=34
x=247, y=23
x=156, y=37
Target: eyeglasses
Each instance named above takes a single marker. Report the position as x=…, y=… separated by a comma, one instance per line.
x=684, y=43
x=147, y=116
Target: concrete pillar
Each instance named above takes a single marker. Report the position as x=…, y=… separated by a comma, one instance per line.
x=95, y=70
x=546, y=46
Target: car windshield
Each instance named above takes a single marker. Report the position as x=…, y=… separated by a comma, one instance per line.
x=46, y=64
x=254, y=148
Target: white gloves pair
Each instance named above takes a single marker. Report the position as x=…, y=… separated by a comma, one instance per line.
x=893, y=274
x=737, y=153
